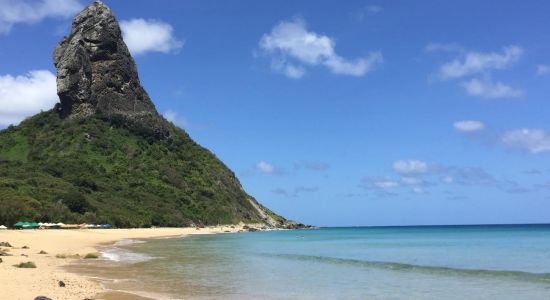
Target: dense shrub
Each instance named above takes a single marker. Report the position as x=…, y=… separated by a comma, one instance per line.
x=107, y=169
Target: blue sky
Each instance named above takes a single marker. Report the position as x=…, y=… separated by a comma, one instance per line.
x=334, y=112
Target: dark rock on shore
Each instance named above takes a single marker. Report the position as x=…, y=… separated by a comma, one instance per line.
x=61, y=283
x=42, y=298
x=297, y=226
x=5, y=244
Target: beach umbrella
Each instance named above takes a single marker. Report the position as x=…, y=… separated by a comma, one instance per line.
x=19, y=224
x=33, y=225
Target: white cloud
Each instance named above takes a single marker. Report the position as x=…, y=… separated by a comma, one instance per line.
x=543, y=70
x=26, y=95
x=477, y=62
x=142, y=36
x=533, y=140
x=290, y=43
x=410, y=166
x=30, y=12
x=385, y=184
x=265, y=167
x=489, y=89
x=468, y=125
x=175, y=118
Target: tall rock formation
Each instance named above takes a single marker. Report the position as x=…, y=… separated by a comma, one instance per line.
x=105, y=155
x=97, y=74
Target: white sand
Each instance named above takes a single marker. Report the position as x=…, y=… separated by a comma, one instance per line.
x=18, y=283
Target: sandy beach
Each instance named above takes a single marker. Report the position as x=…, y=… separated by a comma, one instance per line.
x=28, y=283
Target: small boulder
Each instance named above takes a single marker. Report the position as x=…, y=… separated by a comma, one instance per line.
x=42, y=298
x=1, y=261
x=25, y=247
x=42, y=252
x=61, y=283
x=5, y=244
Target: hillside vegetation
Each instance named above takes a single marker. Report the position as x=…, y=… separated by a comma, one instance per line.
x=110, y=170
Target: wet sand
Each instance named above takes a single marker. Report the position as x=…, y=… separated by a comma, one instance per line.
x=73, y=245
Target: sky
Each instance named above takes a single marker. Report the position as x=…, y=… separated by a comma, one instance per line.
x=334, y=113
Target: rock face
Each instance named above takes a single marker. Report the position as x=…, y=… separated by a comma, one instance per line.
x=95, y=71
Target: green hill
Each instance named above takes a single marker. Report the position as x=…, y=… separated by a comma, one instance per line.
x=107, y=169
x=104, y=154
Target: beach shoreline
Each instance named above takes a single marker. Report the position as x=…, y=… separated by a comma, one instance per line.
x=65, y=247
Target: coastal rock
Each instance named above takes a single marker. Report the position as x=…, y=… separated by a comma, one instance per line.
x=97, y=74
x=5, y=244
x=61, y=283
x=42, y=298
x=1, y=261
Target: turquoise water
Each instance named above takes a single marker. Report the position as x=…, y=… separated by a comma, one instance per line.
x=458, y=262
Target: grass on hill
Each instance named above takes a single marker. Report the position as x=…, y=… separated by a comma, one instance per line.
x=106, y=169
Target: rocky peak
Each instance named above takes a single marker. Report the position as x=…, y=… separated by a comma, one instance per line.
x=95, y=71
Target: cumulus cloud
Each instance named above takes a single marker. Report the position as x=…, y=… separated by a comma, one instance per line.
x=265, y=167
x=532, y=140
x=419, y=177
x=470, y=176
x=25, y=95
x=478, y=62
x=468, y=125
x=543, y=70
x=175, y=118
x=142, y=36
x=29, y=12
x=292, y=47
x=411, y=166
x=472, y=63
x=488, y=89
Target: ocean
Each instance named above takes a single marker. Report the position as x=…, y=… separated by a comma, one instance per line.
x=423, y=262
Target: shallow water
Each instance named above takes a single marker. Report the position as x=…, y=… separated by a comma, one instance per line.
x=475, y=262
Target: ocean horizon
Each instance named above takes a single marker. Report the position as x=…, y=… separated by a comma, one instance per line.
x=401, y=262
